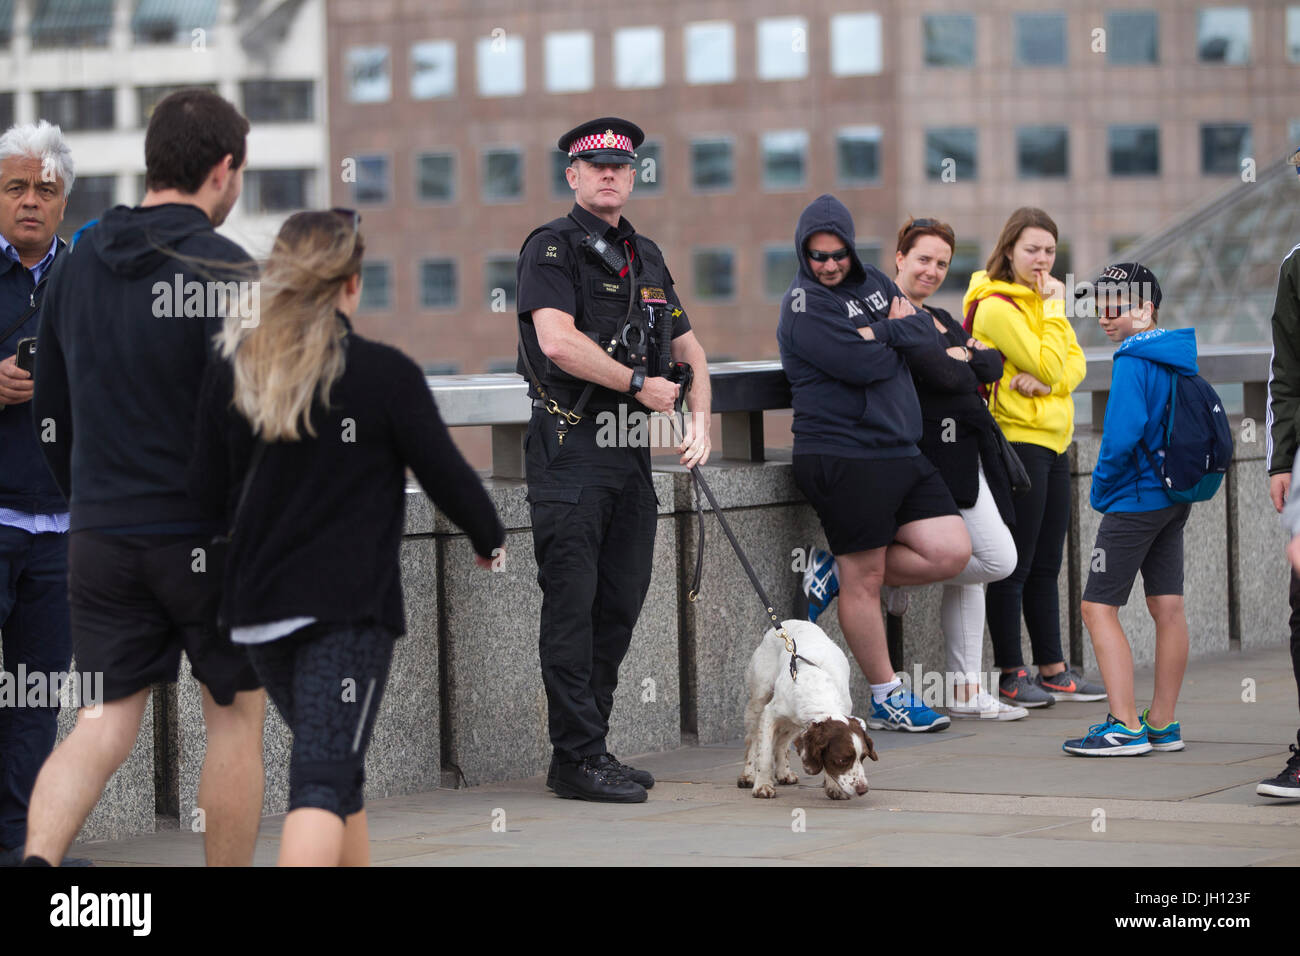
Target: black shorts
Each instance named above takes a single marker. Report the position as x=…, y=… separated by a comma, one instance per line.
x=862, y=502
x=138, y=600
x=1150, y=541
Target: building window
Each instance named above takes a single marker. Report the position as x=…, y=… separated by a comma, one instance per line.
x=368, y=74
x=433, y=69
x=277, y=190
x=6, y=27
x=77, y=110
x=779, y=266
x=503, y=175
x=785, y=159
x=1134, y=150
x=279, y=101
x=1293, y=134
x=638, y=58
x=438, y=284
x=371, y=187
x=166, y=21
x=715, y=278
x=435, y=177
x=710, y=53
x=568, y=62
x=711, y=165
x=782, y=48
x=1223, y=35
x=559, y=179
x=500, y=62
x=949, y=39
x=89, y=198
x=868, y=253
x=965, y=261
x=1132, y=37
x=1223, y=147
x=1043, y=152
x=855, y=44
x=858, y=151
x=649, y=168
x=376, y=286
x=148, y=97
x=58, y=23
x=500, y=281
x=6, y=110
x=950, y=154
x=1293, y=34
x=1063, y=266
x=1040, y=39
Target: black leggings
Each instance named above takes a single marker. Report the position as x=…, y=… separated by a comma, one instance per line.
x=1042, y=519
x=327, y=680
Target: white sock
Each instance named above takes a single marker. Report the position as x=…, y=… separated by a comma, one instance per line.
x=880, y=691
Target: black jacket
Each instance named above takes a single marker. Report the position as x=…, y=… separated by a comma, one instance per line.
x=852, y=398
x=26, y=484
x=958, y=429
x=117, y=372
x=321, y=529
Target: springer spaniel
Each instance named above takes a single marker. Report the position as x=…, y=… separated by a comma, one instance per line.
x=815, y=708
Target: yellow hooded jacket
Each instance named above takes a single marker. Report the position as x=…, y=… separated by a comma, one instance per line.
x=1035, y=337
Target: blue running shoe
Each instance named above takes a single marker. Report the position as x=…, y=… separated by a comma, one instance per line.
x=1168, y=737
x=821, y=582
x=1110, y=739
x=902, y=711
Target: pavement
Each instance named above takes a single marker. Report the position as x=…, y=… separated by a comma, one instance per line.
x=978, y=793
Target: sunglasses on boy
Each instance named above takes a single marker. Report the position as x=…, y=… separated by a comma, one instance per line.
x=818, y=256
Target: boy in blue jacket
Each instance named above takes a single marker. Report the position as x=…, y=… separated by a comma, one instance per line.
x=1141, y=527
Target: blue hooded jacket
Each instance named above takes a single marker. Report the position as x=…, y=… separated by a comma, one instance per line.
x=1144, y=365
x=852, y=398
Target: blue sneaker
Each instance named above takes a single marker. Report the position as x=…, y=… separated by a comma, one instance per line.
x=821, y=582
x=902, y=711
x=1168, y=737
x=1110, y=739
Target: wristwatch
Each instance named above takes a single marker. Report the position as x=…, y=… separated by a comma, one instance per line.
x=638, y=381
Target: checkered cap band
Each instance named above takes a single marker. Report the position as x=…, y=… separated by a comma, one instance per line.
x=605, y=140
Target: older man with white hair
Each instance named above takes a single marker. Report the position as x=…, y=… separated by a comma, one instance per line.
x=36, y=174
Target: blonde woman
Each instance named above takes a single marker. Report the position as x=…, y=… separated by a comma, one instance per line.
x=304, y=436
x=1017, y=307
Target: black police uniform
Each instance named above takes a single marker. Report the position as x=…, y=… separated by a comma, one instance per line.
x=593, y=508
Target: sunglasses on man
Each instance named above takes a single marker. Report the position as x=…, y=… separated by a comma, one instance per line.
x=818, y=256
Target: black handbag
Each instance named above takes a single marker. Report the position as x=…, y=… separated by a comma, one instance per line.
x=1020, y=483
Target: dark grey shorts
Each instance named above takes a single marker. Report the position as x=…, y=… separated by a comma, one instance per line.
x=1149, y=541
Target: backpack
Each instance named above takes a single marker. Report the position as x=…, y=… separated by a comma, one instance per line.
x=1198, y=441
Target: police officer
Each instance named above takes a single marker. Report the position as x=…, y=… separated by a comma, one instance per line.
x=600, y=327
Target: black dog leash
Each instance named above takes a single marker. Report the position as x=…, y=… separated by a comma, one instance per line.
x=694, y=593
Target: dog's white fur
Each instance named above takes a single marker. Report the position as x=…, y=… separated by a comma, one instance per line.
x=815, y=706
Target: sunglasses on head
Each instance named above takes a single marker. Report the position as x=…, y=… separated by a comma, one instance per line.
x=351, y=215
x=818, y=256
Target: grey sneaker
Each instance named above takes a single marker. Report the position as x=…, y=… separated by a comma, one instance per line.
x=1070, y=685
x=1017, y=688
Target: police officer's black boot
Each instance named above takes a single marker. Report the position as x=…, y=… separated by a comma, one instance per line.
x=595, y=778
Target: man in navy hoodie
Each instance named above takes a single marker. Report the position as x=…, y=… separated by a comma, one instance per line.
x=36, y=173
x=1141, y=528
x=119, y=362
x=887, y=513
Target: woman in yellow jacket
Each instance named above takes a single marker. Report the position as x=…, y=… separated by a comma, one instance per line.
x=1019, y=309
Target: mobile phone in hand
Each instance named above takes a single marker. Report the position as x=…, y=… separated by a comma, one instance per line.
x=25, y=358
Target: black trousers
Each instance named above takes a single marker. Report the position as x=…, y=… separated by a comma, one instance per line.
x=1295, y=628
x=1042, y=520
x=594, y=513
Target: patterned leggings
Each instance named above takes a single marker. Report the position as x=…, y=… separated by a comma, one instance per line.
x=327, y=680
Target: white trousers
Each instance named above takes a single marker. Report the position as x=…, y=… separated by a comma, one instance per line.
x=993, y=557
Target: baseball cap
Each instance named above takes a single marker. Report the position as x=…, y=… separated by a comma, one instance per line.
x=1132, y=279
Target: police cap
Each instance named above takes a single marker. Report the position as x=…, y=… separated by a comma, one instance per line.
x=605, y=140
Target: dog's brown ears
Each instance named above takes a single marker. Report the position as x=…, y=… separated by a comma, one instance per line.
x=866, y=738
x=812, y=746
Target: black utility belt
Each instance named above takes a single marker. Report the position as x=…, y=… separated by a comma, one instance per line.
x=591, y=410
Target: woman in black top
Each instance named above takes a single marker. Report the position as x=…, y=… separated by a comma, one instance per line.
x=304, y=436
x=959, y=438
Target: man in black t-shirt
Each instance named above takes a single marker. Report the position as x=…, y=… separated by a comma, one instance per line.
x=600, y=325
